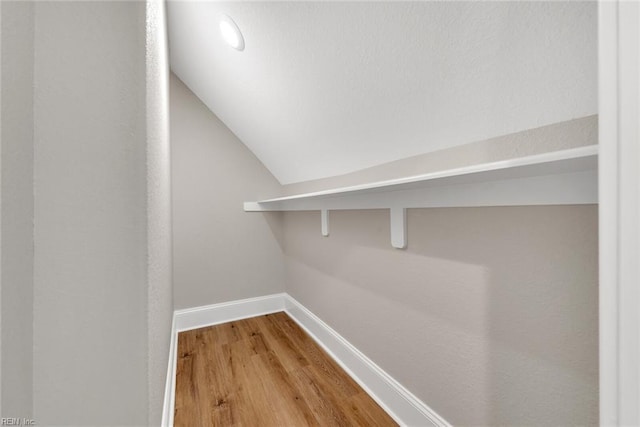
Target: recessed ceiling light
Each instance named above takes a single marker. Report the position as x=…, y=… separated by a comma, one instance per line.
x=231, y=33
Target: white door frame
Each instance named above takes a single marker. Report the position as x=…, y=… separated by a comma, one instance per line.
x=619, y=211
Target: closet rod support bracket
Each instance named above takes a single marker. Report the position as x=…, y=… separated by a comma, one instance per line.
x=324, y=219
x=398, y=218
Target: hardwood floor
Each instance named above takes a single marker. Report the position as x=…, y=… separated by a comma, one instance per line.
x=265, y=371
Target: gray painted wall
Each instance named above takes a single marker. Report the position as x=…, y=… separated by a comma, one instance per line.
x=159, y=250
x=490, y=316
x=86, y=245
x=558, y=136
x=17, y=208
x=219, y=252
x=90, y=269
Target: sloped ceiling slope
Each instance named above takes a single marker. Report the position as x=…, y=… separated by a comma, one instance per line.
x=326, y=88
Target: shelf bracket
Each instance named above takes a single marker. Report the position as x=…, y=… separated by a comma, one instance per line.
x=398, y=227
x=324, y=218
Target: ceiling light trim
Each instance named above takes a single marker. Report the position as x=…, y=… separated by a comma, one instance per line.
x=231, y=33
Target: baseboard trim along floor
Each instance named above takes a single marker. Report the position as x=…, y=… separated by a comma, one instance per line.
x=396, y=400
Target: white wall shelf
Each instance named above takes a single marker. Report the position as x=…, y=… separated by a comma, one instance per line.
x=564, y=177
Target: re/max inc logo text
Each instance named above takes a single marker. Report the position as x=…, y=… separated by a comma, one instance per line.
x=15, y=421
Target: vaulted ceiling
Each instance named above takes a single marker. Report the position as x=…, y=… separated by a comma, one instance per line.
x=326, y=88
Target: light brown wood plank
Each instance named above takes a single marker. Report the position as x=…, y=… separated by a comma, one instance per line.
x=193, y=394
x=281, y=344
x=250, y=388
x=325, y=406
x=287, y=401
x=265, y=371
x=320, y=362
x=364, y=414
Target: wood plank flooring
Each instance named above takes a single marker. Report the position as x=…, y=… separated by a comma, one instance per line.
x=265, y=371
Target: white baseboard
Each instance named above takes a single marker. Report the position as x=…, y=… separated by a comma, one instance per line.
x=170, y=384
x=208, y=315
x=401, y=404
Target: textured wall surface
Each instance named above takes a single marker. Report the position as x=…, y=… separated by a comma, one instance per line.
x=558, y=136
x=220, y=253
x=159, y=250
x=490, y=316
x=328, y=88
x=17, y=208
x=90, y=271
